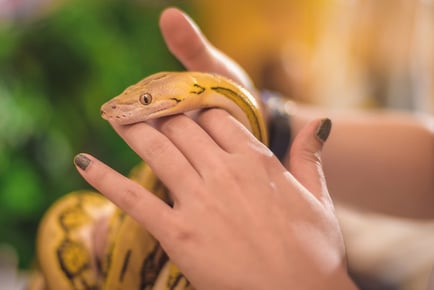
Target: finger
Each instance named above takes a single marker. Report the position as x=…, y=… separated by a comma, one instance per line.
x=305, y=157
x=134, y=199
x=191, y=139
x=168, y=163
x=229, y=133
x=185, y=40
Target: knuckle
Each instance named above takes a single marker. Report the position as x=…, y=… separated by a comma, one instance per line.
x=177, y=126
x=130, y=197
x=212, y=113
x=156, y=146
x=260, y=150
x=223, y=170
x=307, y=156
x=180, y=232
x=213, y=116
x=171, y=125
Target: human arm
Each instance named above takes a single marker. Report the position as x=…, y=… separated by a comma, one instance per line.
x=377, y=161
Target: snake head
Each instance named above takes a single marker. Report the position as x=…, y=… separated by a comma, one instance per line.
x=152, y=97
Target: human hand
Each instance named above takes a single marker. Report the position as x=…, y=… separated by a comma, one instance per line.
x=240, y=220
x=187, y=43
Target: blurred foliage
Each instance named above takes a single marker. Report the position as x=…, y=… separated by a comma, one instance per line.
x=55, y=72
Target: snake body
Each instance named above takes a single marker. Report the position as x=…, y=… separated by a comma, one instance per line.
x=132, y=258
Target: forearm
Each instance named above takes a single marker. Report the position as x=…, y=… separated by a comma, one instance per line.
x=378, y=161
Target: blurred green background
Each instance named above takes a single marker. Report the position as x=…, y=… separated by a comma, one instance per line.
x=60, y=60
x=56, y=70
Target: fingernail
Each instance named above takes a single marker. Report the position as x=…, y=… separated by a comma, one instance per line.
x=324, y=128
x=81, y=161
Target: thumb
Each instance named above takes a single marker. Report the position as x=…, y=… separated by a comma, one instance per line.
x=305, y=157
x=184, y=39
x=187, y=43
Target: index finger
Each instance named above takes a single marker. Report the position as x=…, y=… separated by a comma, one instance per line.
x=142, y=205
x=166, y=160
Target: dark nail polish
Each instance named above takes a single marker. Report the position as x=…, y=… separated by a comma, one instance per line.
x=81, y=161
x=324, y=129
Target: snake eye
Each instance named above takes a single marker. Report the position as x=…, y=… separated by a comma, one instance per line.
x=145, y=98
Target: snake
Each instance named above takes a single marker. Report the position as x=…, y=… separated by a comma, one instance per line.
x=131, y=257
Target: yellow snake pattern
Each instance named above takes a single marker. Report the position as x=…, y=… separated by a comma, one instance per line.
x=132, y=259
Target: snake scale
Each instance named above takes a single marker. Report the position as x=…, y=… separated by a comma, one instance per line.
x=130, y=258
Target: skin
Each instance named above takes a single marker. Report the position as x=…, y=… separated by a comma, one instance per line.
x=222, y=203
x=227, y=186
x=380, y=161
